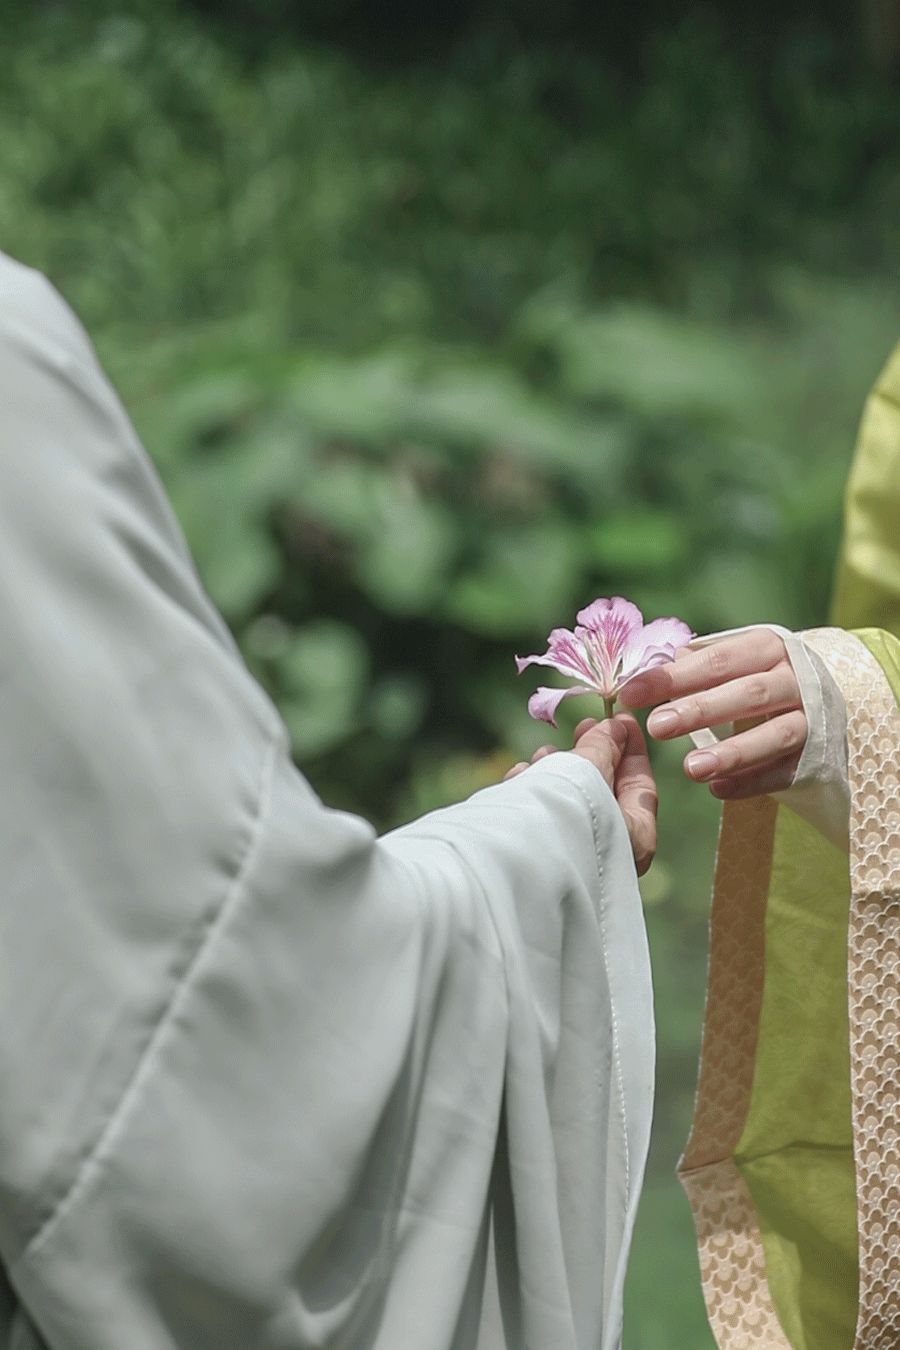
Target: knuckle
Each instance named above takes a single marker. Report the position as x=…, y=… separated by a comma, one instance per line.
x=771, y=647
x=718, y=661
x=693, y=711
x=794, y=731
x=758, y=693
x=731, y=759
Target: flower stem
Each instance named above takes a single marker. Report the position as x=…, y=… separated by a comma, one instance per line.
x=609, y=707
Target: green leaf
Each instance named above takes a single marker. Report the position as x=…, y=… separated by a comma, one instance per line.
x=527, y=579
x=341, y=492
x=412, y=545
x=238, y=569
x=323, y=672
x=730, y=589
x=361, y=399
x=397, y=705
x=485, y=407
x=639, y=541
x=660, y=365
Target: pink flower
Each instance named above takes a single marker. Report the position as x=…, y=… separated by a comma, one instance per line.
x=610, y=645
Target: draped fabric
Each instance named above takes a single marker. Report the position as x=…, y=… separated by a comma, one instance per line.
x=269, y=1081
x=793, y=1163
x=867, y=592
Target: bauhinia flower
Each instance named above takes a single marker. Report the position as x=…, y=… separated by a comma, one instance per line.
x=609, y=646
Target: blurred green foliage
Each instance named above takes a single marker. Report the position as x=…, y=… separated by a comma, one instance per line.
x=430, y=357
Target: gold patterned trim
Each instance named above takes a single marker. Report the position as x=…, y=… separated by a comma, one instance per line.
x=873, y=969
x=732, y=1263
x=735, y=981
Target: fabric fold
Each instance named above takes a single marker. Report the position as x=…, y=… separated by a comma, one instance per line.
x=271, y=1082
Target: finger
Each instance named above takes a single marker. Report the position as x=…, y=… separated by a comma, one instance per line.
x=543, y=751
x=603, y=744
x=643, y=845
x=760, y=695
x=760, y=747
x=705, y=668
x=516, y=770
x=584, y=725
x=635, y=784
x=756, y=783
x=635, y=791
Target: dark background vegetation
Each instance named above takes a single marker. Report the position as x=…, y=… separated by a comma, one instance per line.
x=441, y=321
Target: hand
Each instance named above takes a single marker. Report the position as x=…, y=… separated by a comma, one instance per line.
x=746, y=679
x=616, y=747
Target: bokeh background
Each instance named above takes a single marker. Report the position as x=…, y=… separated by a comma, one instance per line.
x=440, y=321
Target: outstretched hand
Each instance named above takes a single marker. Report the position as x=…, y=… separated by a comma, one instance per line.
x=746, y=679
x=616, y=747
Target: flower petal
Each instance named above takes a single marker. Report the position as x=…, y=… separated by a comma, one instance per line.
x=615, y=615
x=544, y=702
x=565, y=653
x=606, y=627
x=653, y=646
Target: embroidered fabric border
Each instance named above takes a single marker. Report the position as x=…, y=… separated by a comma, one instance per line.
x=873, y=970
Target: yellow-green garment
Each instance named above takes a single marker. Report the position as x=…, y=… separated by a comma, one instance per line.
x=867, y=594
x=793, y=1165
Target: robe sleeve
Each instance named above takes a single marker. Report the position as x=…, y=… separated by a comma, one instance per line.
x=271, y=1082
x=867, y=589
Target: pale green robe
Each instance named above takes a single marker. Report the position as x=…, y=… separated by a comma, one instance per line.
x=268, y=1081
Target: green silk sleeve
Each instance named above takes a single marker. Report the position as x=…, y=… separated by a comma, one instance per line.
x=868, y=581
x=885, y=647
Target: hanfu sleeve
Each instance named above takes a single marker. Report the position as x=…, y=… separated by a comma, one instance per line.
x=271, y=1082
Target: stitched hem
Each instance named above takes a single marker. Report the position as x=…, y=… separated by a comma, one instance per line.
x=613, y=1018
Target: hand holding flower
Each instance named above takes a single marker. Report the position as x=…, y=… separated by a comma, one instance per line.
x=617, y=749
x=746, y=679
x=609, y=646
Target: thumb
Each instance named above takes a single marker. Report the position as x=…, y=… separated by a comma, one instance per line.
x=603, y=744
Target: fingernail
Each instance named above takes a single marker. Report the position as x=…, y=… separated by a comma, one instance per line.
x=702, y=765
x=661, y=722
